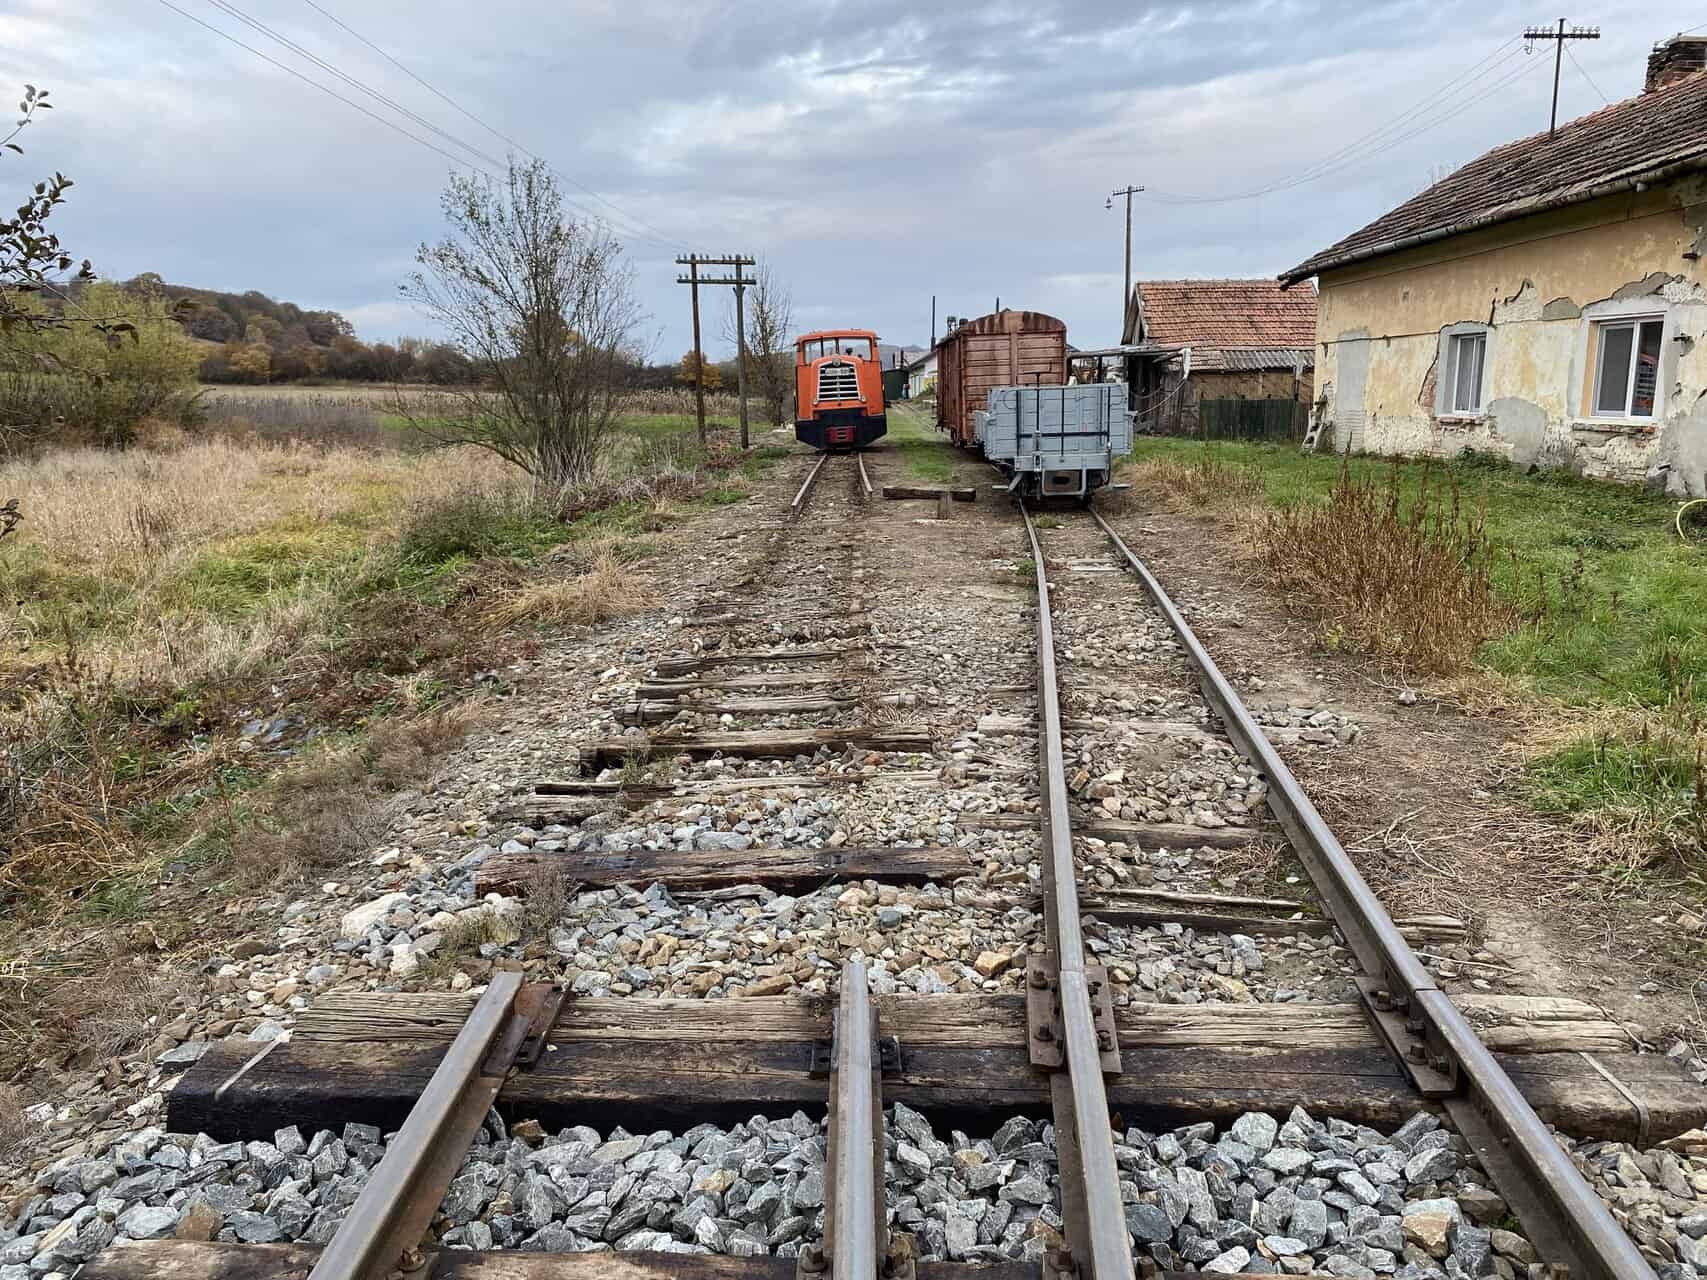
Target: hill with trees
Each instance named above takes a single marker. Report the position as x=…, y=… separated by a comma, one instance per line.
x=250, y=337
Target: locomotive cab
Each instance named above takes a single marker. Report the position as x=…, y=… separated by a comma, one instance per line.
x=838, y=389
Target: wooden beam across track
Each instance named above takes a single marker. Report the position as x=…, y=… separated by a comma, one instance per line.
x=785, y=869
x=794, y=869
x=781, y=743
x=180, y=1260
x=650, y=1063
x=712, y=659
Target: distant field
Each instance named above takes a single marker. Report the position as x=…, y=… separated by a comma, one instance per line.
x=386, y=416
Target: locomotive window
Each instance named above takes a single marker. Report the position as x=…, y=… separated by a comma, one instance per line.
x=821, y=347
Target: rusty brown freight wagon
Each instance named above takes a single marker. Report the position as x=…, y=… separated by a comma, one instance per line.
x=1004, y=349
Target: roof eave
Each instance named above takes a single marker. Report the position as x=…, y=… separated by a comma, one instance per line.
x=1505, y=213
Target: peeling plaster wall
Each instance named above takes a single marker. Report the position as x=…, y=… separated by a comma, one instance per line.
x=1538, y=284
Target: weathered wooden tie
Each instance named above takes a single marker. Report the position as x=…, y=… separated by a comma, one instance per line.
x=785, y=869
x=663, y=1062
x=714, y=658
x=756, y=742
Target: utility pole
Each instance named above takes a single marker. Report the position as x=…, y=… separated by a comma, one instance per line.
x=1126, y=294
x=1559, y=36
x=741, y=350
x=933, y=320
x=693, y=262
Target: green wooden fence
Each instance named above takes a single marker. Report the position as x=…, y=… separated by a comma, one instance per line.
x=1275, y=420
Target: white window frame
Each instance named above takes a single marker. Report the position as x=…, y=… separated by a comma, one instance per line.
x=1446, y=383
x=1597, y=346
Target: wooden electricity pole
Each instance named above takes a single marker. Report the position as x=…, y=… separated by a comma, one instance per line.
x=741, y=351
x=693, y=262
x=1126, y=296
x=1559, y=37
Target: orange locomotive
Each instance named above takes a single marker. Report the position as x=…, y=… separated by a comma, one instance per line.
x=838, y=389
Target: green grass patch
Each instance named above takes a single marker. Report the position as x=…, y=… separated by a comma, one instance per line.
x=1612, y=606
x=924, y=451
x=1607, y=612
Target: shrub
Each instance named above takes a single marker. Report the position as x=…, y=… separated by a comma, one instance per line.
x=79, y=383
x=1402, y=580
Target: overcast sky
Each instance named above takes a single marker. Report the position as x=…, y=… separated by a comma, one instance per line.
x=873, y=153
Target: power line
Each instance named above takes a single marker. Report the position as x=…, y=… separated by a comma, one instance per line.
x=480, y=166
x=1360, y=148
x=663, y=237
x=1604, y=100
x=231, y=9
x=308, y=80
x=226, y=7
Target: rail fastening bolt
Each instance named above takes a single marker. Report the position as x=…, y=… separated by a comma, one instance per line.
x=812, y=1259
x=1044, y=1033
x=1040, y=980
x=1105, y=1042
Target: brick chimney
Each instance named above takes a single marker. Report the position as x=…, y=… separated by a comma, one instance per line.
x=1675, y=59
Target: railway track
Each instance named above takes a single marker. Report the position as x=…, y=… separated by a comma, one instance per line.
x=789, y=647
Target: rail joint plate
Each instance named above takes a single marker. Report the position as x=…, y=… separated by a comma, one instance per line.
x=1044, y=1030
x=1402, y=1025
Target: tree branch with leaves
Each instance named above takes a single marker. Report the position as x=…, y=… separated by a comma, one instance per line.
x=544, y=308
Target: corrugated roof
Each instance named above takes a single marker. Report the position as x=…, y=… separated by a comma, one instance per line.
x=1225, y=313
x=1614, y=147
x=1269, y=358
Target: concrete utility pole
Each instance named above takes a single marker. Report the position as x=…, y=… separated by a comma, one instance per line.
x=1559, y=36
x=1126, y=294
x=693, y=262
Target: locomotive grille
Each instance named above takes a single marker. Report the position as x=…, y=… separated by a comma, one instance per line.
x=837, y=381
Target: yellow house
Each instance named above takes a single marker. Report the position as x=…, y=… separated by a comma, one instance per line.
x=1547, y=302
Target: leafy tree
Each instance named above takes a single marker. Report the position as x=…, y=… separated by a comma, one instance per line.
x=685, y=372
x=249, y=361
x=29, y=253
x=543, y=308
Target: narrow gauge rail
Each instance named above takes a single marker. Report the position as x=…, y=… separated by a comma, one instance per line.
x=1567, y=1221
x=804, y=493
x=1066, y=1016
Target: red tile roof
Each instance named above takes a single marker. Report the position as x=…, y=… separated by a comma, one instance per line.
x=1225, y=313
x=1615, y=147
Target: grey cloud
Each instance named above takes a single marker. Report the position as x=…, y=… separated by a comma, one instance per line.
x=875, y=152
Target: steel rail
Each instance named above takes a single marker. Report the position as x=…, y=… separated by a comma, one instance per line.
x=396, y=1206
x=855, y=1225
x=1568, y=1222
x=799, y=503
x=864, y=480
x=1106, y=1248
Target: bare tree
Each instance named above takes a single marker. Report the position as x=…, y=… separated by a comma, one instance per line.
x=544, y=308
x=770, y=342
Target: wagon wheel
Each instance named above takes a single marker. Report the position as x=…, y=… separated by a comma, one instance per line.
x=1692, y=521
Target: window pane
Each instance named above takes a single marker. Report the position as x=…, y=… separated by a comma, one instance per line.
x=1468, y=350
x=1449, y=400
x=1612, y=384
x=1647, y=369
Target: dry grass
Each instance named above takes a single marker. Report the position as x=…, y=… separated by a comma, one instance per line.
x=87, y=1013
x=1405, y=581
x=14, y=1129
x=1202, y=481
x=608, y=589
x=314, y=815
x=207, y=561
